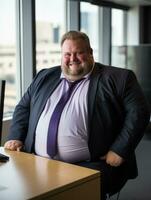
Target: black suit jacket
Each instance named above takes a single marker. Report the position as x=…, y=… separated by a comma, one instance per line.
x=117, y=112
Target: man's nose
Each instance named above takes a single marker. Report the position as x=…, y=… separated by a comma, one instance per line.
x=73, y=57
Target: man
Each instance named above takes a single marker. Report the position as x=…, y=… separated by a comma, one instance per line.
x=101, y=123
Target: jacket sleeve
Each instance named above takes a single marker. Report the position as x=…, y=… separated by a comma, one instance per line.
x=137, y=115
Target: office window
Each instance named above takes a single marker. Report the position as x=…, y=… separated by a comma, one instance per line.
x=8, y=53
x=118, y=46
x=89, y=24
x=50, y=25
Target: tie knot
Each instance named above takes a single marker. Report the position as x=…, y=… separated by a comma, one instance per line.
x=73, y=83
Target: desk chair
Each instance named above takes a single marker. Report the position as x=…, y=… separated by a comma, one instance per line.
x=116, y=191
x=109, y=197
x=2, y=95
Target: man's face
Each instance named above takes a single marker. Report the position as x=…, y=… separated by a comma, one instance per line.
x=77, y=59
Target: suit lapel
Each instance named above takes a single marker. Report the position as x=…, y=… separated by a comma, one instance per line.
x=48, y=87
x=94, y=78
x=48, y=90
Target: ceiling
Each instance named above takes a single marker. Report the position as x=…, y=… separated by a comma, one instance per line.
x=131, y=2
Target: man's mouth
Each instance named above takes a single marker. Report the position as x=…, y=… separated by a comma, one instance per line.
x=74, y=63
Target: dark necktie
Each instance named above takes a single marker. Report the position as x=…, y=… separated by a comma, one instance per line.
x=55, y=118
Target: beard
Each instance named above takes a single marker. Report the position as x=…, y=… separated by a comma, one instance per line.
x=75, y=70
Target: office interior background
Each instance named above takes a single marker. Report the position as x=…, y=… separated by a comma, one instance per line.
x=120, y=35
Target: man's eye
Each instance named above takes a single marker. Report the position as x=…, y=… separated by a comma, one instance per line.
x=67, y=54
x=80, y=53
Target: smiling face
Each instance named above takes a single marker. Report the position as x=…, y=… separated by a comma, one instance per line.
x=77, y=59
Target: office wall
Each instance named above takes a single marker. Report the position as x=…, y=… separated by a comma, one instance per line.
x=139, y=60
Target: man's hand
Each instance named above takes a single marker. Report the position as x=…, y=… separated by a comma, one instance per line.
x=113, y=159
x=14, y=145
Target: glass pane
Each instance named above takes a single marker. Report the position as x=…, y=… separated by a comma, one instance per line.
x=8, y=53
x=89, y=24
x=118, y=53
x=117, y=27
x=50, y=25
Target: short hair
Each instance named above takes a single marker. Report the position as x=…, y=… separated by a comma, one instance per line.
x=75, y=35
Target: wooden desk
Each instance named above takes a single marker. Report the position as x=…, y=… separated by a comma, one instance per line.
x=26, y=176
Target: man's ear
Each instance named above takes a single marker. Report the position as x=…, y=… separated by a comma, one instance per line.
x=91, y=51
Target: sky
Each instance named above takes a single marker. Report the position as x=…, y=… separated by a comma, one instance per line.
x=7, y=21
x=46, y=10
